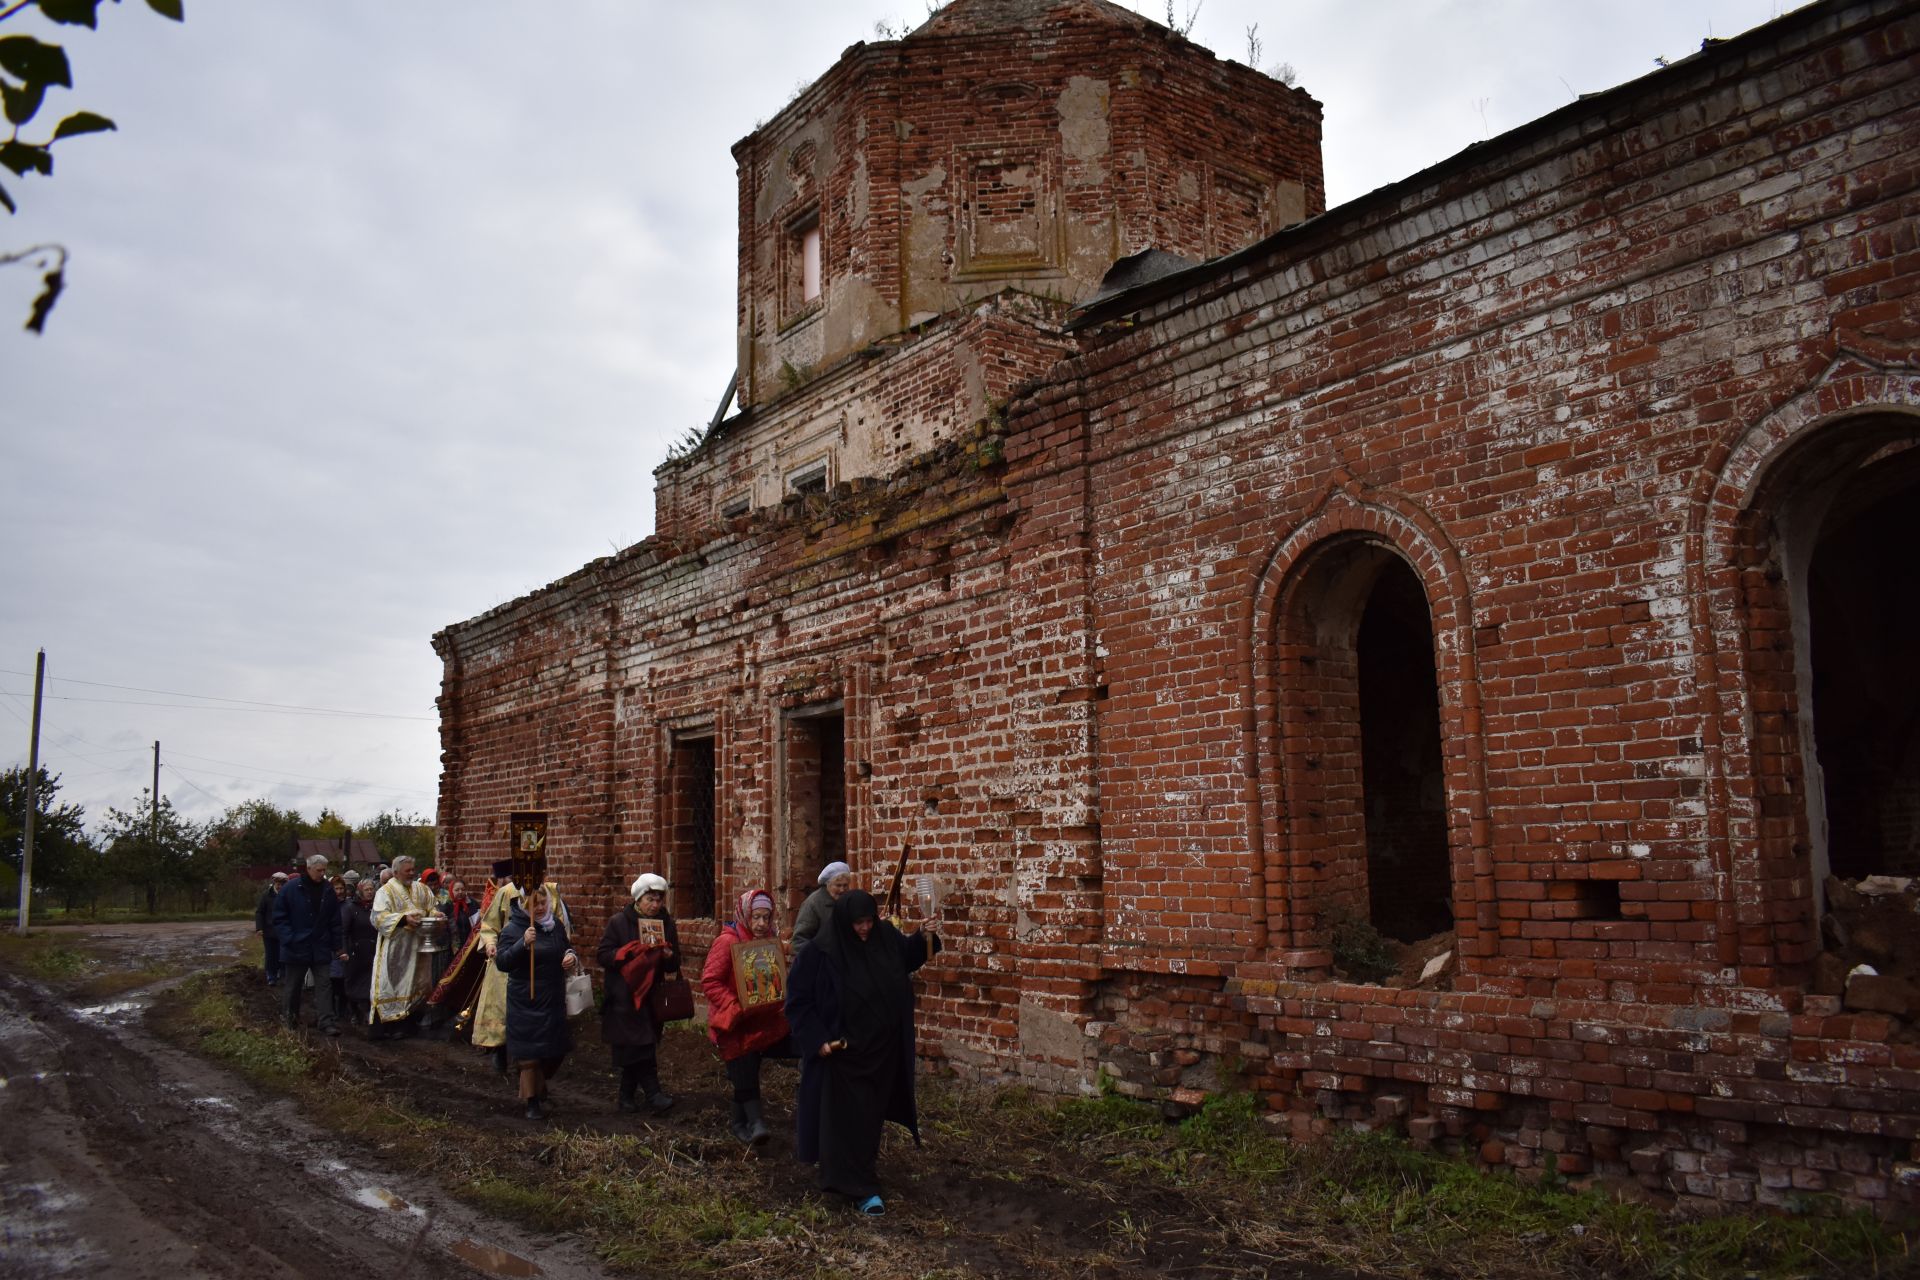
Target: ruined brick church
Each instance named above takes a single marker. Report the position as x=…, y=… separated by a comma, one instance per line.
x=1511, y=569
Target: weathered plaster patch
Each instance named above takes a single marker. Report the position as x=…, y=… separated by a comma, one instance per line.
x=1048, y=1033
x=1083, y=129
x=857, y=197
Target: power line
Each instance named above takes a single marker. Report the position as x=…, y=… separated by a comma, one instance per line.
x=287, y=773
x=363, y=789
x=366, y=789
x=252, y=703
x=73, y=737
x=196, y=786
x=270, y=709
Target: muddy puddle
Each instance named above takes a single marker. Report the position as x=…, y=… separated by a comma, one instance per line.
x=492, y=1260
x=115, y=1009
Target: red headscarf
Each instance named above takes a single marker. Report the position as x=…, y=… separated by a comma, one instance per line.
x=743, y=916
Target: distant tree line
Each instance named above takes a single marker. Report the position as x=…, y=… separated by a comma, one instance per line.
x=154, y=855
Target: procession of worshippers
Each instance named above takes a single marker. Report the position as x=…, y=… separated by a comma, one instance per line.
x=401, y=953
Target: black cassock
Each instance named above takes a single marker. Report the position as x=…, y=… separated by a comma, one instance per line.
x=844, y=989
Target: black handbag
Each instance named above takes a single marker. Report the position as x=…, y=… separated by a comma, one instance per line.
x=671, y=1000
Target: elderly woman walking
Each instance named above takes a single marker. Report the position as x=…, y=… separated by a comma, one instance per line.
x=850, y=1004
x=641, y=946
x=745, y=1018
x=835, y=879
x=359, y=939
x=536, y=955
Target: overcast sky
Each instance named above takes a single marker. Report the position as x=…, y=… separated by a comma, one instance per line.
x=381, y=313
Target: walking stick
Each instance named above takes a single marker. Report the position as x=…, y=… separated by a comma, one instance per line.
x=527, y=830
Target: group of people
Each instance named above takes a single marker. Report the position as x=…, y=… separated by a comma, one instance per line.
x=322, y=931
x=841, y=1002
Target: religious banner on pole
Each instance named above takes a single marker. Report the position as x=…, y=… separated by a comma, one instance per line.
x=527, y=836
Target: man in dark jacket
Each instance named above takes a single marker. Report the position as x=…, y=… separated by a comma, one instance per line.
x=307, y=918
x=263, y=925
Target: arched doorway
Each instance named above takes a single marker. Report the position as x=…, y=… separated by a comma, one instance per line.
x=1408, y=886
x=1861, y=670
x=1364, y=789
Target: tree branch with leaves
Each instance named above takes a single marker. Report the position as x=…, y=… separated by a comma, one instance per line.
x=29, y=66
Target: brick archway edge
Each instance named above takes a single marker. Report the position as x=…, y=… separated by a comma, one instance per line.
x=1852, y=388
x=1348, y=506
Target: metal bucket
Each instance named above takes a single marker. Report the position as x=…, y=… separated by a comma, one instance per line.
x=433, y=934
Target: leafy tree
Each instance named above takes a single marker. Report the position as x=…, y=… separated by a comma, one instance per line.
x=329, y=826
x=28, y=68
x=256, y=833
x=155, y=850
x=394, y=834
x=64, y=860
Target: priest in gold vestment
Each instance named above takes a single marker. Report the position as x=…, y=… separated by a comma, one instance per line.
x=402, y=977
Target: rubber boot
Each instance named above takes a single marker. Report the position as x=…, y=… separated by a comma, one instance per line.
x=629, y=1081
x=757, y=1131
x=658, y=1099
x=742, y=1131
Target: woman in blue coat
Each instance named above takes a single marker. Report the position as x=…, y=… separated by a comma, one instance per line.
x=850, y=1004
x=537, y=1036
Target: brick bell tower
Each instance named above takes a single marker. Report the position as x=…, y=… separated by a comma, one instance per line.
x=1004, y=148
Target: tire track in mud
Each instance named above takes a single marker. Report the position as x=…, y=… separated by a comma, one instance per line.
x=127, y=1158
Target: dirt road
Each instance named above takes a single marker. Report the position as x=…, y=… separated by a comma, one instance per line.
x=123, y=1157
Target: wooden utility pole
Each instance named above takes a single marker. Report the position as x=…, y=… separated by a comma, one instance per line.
x=33, y=802
x=153, y=829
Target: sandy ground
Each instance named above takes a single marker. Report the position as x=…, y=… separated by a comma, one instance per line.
x=125, y=1158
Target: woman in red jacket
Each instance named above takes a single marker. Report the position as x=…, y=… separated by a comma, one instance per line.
x=745, y=1008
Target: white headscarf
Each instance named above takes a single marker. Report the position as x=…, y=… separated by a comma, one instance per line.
x=832, y=869
x=648, y=883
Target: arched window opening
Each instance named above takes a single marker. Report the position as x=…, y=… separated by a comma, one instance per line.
x=1863, y=629
x=1370, y=868
x=1408, y=880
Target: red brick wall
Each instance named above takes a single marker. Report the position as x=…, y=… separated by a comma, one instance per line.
x=1095, y=668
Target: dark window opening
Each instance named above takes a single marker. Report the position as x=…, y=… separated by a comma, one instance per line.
x=1863, y=620
x=809, y=479
x=816, y=800
x=1408, y=879
x=691, y=835
x=1585, y=899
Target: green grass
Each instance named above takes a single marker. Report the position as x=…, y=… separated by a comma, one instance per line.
x=112, y=915
x=531, y=1205
x=58, y=963
x=270, y=1055
x=1374, y=1202
x=39, y=956
x=115, y=982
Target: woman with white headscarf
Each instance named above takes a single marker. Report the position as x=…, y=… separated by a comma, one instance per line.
x=632, y=958
x=835, y=879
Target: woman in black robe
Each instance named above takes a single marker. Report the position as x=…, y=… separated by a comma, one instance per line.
x=850, y=1004
x=537, y=1036
x=359, y=939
